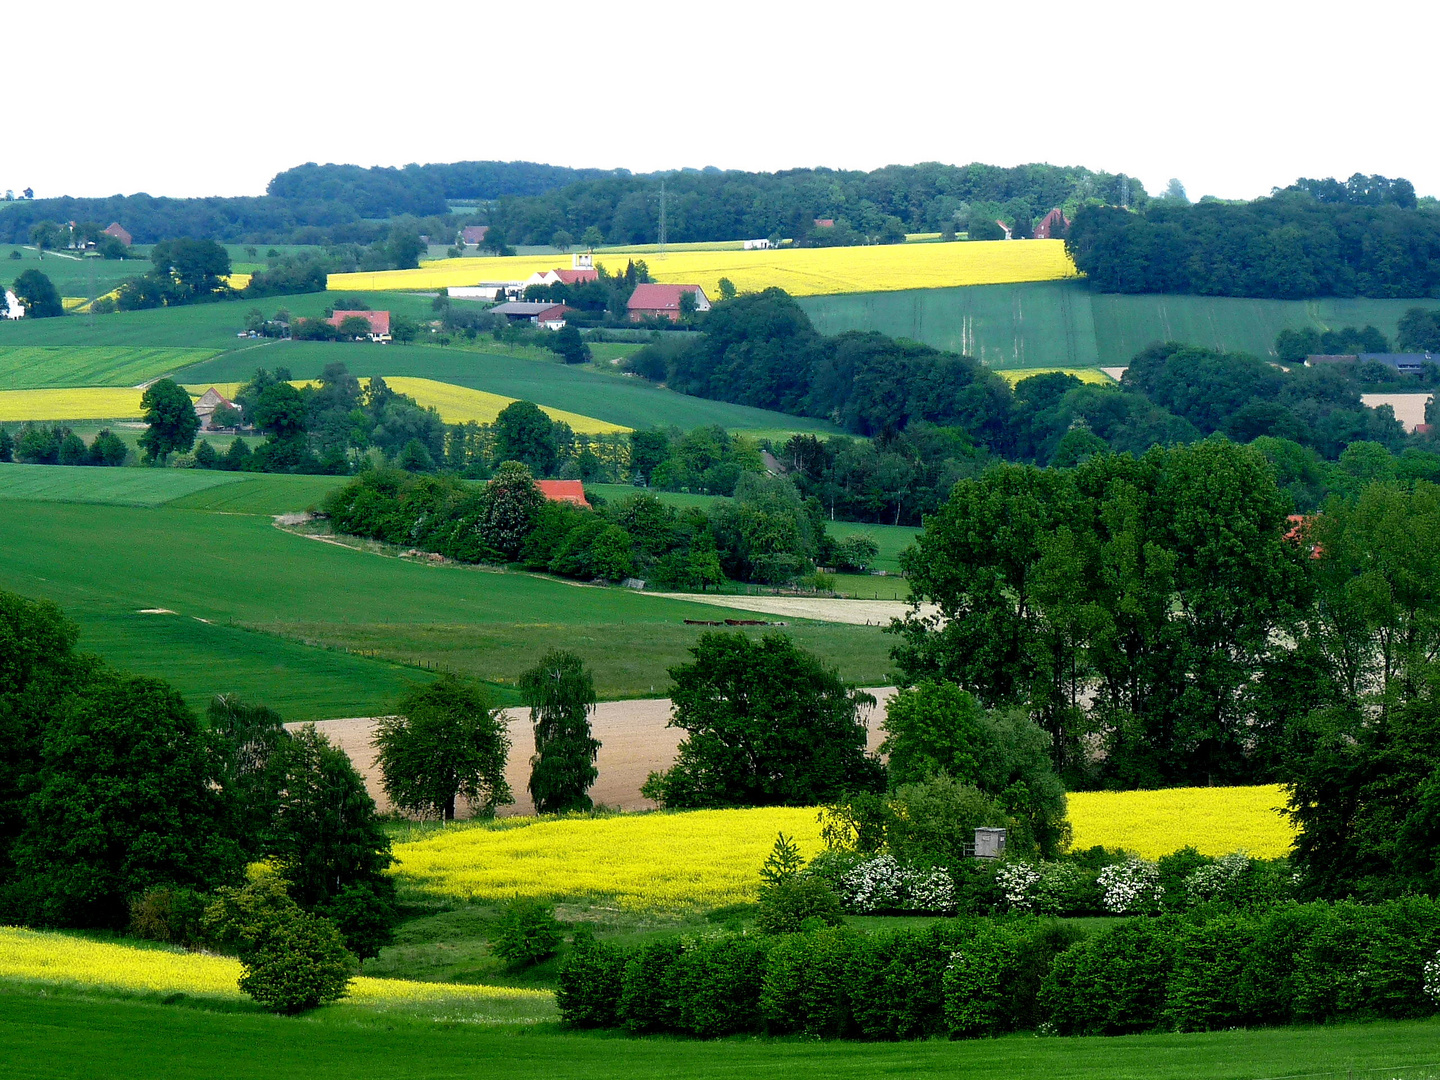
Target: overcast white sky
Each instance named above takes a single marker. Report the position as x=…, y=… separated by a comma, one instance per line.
x=214, y=99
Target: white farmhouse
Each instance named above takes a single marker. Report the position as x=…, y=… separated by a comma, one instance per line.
x=13, y=308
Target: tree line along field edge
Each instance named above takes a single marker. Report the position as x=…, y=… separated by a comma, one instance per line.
x=1066, y=324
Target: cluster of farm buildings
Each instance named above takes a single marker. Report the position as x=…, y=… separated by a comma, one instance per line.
x=648, y=302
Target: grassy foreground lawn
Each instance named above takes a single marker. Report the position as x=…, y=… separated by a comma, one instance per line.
x=66, y=1035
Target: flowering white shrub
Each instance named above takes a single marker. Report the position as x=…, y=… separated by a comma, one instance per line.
x=875, y=885
x=1218, y=880
x=1432, y=978
x=1131, y=887
x=883, y=884
x=931, y=890
x=1017, y=881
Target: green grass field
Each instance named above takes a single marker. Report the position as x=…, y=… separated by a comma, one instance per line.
x=1064, y=324
x=616, y=398
x=62, y=1034
x=325, y=629
x=71, y=276
x=212, y=327
x=123, y=487
x=31, y=367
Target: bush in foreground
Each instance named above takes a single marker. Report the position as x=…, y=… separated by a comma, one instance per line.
x=1313, y=963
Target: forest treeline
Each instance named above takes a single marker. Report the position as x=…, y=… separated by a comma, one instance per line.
x=1364, y=237
x=528, y=203
x=762, y=350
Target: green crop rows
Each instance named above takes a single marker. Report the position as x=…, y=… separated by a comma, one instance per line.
x=35, y=367
x=1064, y=324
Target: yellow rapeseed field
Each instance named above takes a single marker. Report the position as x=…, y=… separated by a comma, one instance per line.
x=1215, y=821
x=710, y=858
x=1085, y=375
x=58, y=958
x=645, y=862
x=799, y=271
x=79, y=403
x=456, y=404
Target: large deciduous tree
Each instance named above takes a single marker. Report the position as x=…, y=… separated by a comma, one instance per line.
x=37, y=295
x=170, y=414
x=561, y=695
x=127, y=797
x=766, y=724
x=324, y=837
x=446, y=740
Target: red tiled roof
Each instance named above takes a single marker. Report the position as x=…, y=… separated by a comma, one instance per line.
x=654, y=297
x=824, y=223
x=577, y=277
x=379, y=320
x=474, y=234
x=120, y=233
x=571, y=491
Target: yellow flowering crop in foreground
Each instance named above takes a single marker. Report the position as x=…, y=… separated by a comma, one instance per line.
x=78, y=403
x=1215, y=821
x=456, y=404
x=58, y=958
x=799, y=271
x=646, y=862
x=1085, y=375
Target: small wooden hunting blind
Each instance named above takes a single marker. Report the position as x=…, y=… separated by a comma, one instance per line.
x=989, y=843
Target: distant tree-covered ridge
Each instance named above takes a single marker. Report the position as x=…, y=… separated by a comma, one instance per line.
x=1367, y=237
x=528, y=203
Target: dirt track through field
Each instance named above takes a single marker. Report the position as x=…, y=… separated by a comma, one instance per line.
x=823, y=609
x=635, y=742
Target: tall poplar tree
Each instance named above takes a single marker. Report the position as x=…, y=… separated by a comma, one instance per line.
x=561, y=694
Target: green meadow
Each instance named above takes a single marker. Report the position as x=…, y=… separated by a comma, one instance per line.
x=519, y=373
x=194, y=584
x=72, y=276
x=105, y=1038
x=1064, y=324
x=33, y=367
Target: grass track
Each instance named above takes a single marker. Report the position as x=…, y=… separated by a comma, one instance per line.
x=62, y=1035
x=1063, y=324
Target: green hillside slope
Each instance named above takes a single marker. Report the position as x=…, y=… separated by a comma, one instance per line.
x=1064, y=324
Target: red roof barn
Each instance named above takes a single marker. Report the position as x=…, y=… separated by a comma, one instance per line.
x=474, y=234
x=379, y=322
x=119, y=232
x=570, y=491
x=663, y=301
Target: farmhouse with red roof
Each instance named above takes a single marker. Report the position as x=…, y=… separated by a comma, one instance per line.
x=379, y=322
x=1052, y=226
x=119, y=232
x=655, y=301
x=568, y=491
x=474, y=234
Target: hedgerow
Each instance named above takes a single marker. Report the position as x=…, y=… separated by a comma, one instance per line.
x=1207, y=969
